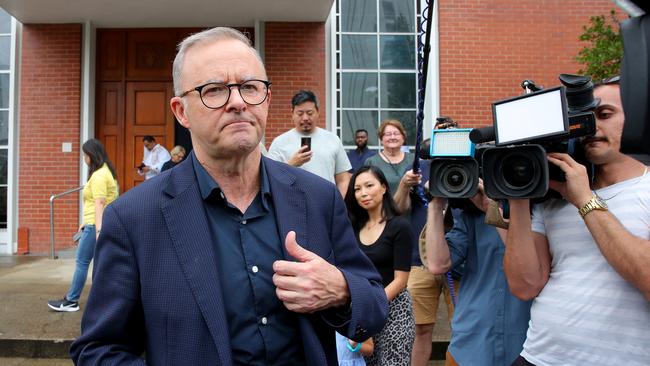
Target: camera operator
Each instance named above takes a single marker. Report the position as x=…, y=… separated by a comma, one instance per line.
x=489, y=323
x=586, y=261
x=425, y=288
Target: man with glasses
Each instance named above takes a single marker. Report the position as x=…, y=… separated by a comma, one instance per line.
x=585, y=260
x=310, y=147
x=230, y=257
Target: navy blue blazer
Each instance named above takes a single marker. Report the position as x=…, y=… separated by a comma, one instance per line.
x=155, y=281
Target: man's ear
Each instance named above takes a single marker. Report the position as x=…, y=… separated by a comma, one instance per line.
x=178, y=108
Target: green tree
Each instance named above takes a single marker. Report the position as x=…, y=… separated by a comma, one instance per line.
x=602, y=56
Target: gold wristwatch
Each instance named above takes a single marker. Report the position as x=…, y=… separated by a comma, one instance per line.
x=595, y=203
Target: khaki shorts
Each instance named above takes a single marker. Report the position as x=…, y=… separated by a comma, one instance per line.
x=425, y=289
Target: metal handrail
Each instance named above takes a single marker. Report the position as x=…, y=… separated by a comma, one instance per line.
x=52, y=198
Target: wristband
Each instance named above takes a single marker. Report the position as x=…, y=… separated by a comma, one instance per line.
x=355, y=349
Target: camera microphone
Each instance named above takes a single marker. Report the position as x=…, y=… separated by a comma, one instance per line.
x=481, y=135
x=530, y=86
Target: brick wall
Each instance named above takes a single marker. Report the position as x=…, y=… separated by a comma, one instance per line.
x=487, y=47
x=50, y=81
x=295, y=59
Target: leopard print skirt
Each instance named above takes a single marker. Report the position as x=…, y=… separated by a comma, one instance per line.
x=394, y=343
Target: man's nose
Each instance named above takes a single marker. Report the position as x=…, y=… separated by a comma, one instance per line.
x=235, y=102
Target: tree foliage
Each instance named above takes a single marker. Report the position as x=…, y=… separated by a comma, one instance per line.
x=602, y=56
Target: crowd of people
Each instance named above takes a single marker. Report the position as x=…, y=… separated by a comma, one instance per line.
x=314, y=256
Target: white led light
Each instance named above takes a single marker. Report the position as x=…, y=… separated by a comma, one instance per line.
x=454, y=142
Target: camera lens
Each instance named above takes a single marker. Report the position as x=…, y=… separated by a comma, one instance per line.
x=515, y=171
x=454, y=178
x=518, y=171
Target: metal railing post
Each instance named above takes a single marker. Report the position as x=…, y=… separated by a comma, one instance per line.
x=52, y=198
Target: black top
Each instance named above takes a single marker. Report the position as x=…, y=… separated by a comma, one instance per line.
x=392, y=250
x=168, y=165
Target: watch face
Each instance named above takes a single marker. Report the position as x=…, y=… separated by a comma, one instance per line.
x=599, y=202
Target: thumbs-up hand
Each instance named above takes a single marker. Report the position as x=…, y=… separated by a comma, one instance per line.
x=310, y=283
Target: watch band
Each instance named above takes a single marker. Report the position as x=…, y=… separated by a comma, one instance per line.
x=595, y=203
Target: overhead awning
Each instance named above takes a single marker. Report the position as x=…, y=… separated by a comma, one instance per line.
x=166, y=13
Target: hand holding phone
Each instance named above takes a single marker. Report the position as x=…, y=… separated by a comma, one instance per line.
x=306, y=141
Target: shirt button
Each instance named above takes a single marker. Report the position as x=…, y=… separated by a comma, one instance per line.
x=243, y=222
x=255, y=269
x=264, y=320
x=222, y=195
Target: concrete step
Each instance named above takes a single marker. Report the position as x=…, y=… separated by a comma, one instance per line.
x=34, y=348
x=18, y=361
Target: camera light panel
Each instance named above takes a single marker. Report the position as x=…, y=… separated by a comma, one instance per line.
x=452, y=142
x=531, y=116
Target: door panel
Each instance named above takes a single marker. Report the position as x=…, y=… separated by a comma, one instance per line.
x=110, y=124
x=147, y=113
x=110, y=55
x=150, y=54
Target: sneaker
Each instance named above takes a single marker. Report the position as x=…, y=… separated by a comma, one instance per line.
x=63, y=305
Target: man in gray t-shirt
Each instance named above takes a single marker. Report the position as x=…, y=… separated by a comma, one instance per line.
x=312, y=148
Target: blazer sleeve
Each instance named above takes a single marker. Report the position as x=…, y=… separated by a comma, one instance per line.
x=112, y=327
x=368, y=308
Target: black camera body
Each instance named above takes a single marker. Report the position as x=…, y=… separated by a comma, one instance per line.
x=528, y=127
x=454, y=173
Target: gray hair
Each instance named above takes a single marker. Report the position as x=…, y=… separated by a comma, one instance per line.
x=177, y=149
x=208, y=35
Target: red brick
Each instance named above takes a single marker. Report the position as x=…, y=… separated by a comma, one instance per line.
x=50, y=115
x=488, y=47
x=295, y=59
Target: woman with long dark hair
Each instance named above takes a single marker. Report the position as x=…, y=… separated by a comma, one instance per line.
x=386, y=238
x=100, y=190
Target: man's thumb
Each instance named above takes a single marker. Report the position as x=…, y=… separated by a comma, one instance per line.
x=295, y=250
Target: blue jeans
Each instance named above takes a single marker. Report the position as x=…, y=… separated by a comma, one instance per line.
x=85, y=252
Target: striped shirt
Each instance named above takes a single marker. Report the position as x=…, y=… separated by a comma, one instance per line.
x=587, y=314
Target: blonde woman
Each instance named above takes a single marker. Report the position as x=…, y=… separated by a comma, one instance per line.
x=391, y=160
x=178, y=154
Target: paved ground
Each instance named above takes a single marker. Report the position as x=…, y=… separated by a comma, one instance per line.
x=26, y=284
x=33, y=335
x=61, y=362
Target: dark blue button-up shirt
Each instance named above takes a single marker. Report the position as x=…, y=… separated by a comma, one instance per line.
x=262, y=331
x=358, y=157
x=490, y=324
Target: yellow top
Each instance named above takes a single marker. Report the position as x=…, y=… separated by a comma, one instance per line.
x=100, y=185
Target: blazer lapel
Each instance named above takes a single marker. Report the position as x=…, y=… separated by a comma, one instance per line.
x=291, y=215
x=289, y=202
x=190, y=235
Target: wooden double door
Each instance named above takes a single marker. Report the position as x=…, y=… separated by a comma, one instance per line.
x=134, y=86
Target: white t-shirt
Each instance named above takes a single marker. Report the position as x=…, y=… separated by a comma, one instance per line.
x=155, y=159
x=328, y=156
x=587, y=314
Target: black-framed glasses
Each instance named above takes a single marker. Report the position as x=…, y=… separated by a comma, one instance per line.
x=216, y=95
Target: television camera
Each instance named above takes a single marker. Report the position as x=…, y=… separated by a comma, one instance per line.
x=524, y=129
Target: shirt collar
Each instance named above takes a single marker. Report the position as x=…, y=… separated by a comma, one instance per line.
x=210, y=188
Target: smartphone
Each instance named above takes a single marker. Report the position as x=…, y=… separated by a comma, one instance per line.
x=306, y=141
